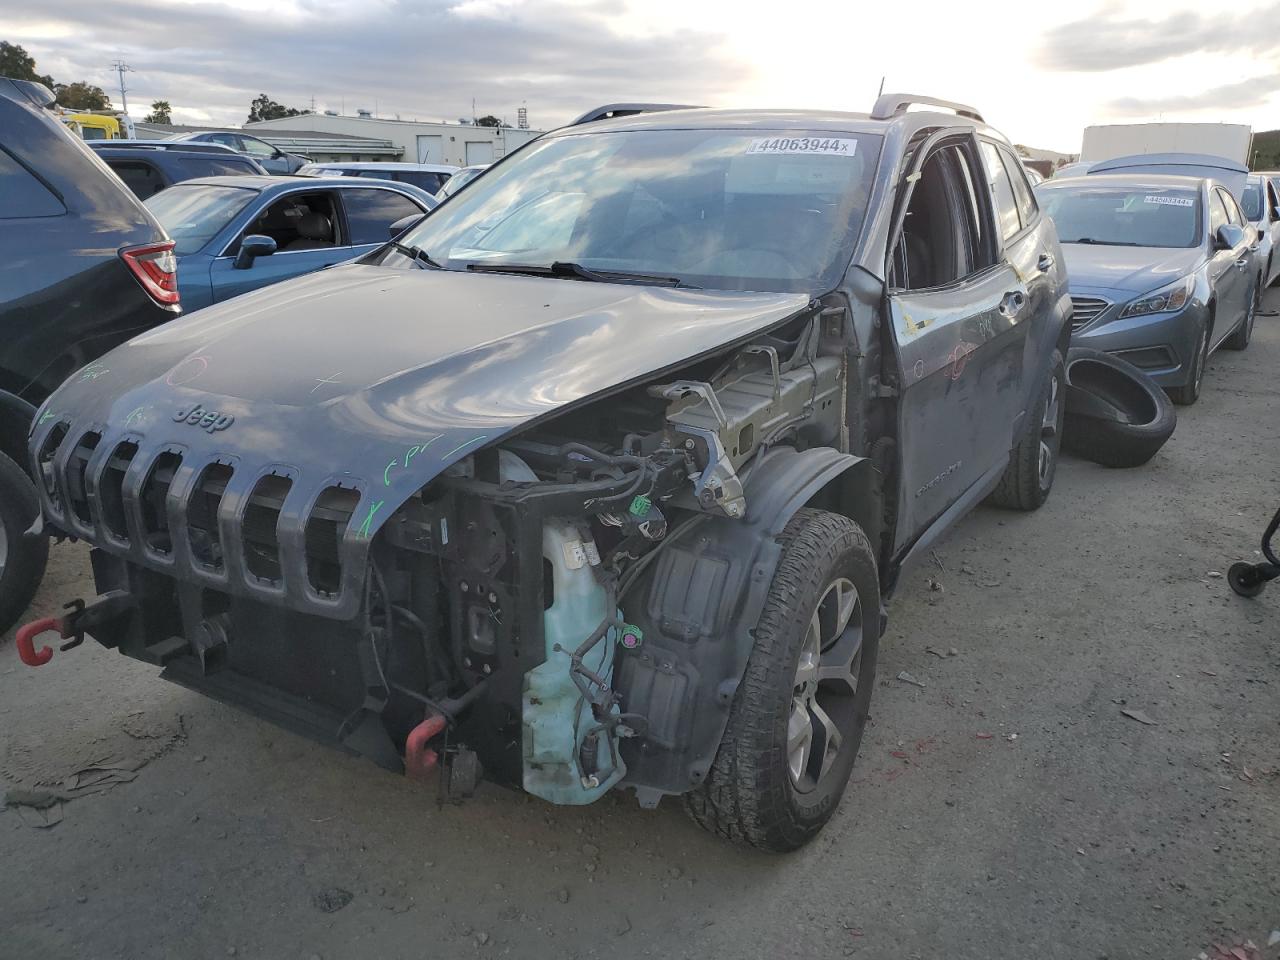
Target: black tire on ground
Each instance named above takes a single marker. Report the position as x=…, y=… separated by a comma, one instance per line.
x=751, y=793
x=21, y=561
x=1028, y=478
x=1116, y=415
x=1244, y=579
x=1240, y=337
x=1189, y=393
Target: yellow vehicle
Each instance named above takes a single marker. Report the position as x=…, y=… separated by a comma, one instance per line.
x=100, y=126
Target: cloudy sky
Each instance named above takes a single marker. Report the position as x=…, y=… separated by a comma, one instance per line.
x=1039, y=72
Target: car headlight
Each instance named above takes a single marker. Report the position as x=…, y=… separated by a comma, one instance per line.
x=1173, y=296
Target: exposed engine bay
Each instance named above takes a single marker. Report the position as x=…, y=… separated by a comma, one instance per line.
x=566, y=611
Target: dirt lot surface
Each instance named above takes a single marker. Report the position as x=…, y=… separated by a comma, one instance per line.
x=1005, y=808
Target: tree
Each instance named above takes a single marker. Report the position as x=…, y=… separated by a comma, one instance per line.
x=15, y=62
x=264, y=108
x=82, y=96
x=489, y=121
x=160, y=112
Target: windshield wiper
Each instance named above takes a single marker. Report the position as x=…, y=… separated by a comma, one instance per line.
x=1104, y=243
x=416, y=254
x=561, y=268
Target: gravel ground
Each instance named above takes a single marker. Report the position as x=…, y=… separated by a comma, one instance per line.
x=1006, y=808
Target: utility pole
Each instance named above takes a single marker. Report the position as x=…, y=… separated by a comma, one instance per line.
x=121, y=68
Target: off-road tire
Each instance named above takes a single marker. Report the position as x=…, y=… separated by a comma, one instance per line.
x=1024, y=485
x=749, y=795
x=22, y=561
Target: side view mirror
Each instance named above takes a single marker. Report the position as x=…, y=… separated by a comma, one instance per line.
x=251, y=247
x=404, y=224
x=278, y=154
x=1228, y=237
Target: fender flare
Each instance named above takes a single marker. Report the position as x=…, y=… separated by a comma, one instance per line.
x=16, y=417
x=698, y=608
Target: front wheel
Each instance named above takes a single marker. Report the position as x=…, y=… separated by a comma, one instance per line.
x=797, y=719
x=1189, y=392
x=1239, y=339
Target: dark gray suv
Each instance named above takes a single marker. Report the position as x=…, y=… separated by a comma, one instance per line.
x=597, y=477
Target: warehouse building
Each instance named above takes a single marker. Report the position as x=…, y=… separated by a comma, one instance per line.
x=460, y=144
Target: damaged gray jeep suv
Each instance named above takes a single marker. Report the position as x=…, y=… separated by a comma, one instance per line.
x=598, y=476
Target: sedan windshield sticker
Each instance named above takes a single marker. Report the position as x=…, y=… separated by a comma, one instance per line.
x=837, y=146
x=1170, y=201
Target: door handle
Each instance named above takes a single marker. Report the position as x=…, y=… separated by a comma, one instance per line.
x=1045, y=263
x=1012, y=304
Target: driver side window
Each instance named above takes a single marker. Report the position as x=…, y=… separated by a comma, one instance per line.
x=298, y=221
x=944, y=236
x=1217, y=213
x=257, y=148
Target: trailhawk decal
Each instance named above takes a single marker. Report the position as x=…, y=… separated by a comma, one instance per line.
x=828, y=146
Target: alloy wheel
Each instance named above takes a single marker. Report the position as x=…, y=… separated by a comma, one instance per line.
x=826, y=680
x=1049, y=427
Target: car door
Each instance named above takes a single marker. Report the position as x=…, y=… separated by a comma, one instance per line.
x=272, y=160
x=370, y=211
x=1272, y=221
x=1229, y=268
x=958, y=309
x=228, y=280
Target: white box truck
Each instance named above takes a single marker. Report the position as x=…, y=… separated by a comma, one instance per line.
x=1108, y=141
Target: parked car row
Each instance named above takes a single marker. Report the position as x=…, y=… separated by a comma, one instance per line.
x=597, y=474
x=1164, y=265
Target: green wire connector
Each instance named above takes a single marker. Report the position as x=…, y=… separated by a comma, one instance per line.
x=640, y=506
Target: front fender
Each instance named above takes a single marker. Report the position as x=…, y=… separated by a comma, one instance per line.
x=698, y=609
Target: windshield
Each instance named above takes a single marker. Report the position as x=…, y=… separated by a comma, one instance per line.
x=721, y=209
x=1137, y=216
x=193, y=214
x=1251, y=201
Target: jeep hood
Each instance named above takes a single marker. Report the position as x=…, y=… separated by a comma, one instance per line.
x=380, y=378
x=1130, y=270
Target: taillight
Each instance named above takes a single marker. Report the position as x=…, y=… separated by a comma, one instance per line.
x=156, y=268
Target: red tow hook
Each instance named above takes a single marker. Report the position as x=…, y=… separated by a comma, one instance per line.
x=419, y=759
x=25, y=641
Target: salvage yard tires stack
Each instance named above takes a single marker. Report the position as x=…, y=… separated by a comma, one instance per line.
x=22, y=561
x=1116, y=415
x=797, y=719
x=1034, y=461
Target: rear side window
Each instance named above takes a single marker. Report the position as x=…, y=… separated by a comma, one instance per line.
x=22, y=195
x=215, y=167
x=370, y=213
x=430, y=182
x=1006, y=203
x=139, y=176
x=1021, y=189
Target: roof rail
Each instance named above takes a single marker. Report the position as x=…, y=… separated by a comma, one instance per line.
x=895, y=104
x=611, y=110
x=37, y=93
x=185, y=146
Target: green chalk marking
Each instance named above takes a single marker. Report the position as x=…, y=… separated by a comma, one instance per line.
x=368, y=521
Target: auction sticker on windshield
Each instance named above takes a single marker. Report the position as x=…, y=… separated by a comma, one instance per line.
x=838, y=146
x=1170, y=201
